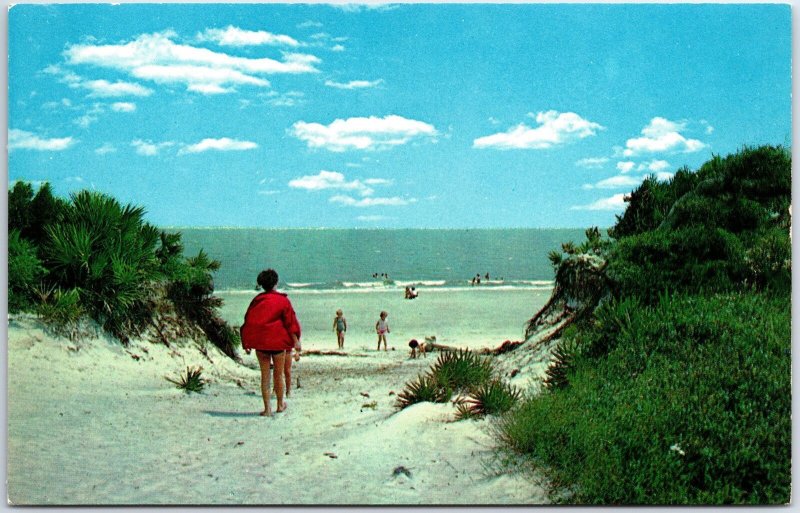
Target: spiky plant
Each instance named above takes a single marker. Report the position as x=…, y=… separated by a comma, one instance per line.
x=561, y=364
x=426, y=388
x=464, y=411
x=106, y=251
x=462, y=370
x=491, y=398
x=191, y=381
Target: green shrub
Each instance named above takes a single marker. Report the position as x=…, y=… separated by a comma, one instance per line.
x=693, y=259
x=690, y=403
x=106, y=251
x=489, y=398
x=25, y=270
x=190, y=381
x=461, y=370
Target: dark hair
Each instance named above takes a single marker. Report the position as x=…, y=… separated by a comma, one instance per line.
x=267, y=279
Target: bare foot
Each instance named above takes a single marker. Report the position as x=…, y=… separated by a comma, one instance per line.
x=266, y=413
x=281, y=407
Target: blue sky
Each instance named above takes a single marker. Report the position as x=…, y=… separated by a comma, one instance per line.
x=431, y=116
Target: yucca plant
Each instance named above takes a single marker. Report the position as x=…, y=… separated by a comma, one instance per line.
x=425, y=388
x=191, y=381
x=490, y=398
x=462, y=370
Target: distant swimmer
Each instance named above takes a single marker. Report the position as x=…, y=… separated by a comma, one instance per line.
x=487, y=276
x=478, y=278
x=411, y=293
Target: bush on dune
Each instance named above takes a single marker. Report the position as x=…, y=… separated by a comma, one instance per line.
x=690, y=405
x=675, y=388
x=93, y=256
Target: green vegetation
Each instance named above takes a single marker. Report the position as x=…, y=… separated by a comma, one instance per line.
x=489, y=398
x=673, y=383
x=91, y=256
x=190, y=381
x=466, y=373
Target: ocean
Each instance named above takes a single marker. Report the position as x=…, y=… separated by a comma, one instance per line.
x=309, y=260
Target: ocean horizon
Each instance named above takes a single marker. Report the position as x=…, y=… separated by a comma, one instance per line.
x=364, y=259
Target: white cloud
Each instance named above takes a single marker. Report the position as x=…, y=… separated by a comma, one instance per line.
x=86, y=120
x=106, y=89
x=662, y=176
x=338, y=48
x=334, y=180
x=97, y=88
x=660, y=136
x=309, y=24
x=626, y=166
x=158, y=58
x=105, y=149
x=708, y=128
x=371, y=202
x=372, y=218
x=290, y=99
x=234, y=36
x=554, y=128
x=269, y=192
x=149, y=148
x=378, y=181
x=615, y=202
x=123, y=107
x=223, y=144
x=354, y=84
x=23, y=140
x=362, y=133
x=592, y=162
x=619, y=182
x=654, y=165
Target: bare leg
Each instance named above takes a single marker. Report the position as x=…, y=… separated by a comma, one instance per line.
x=287, y=371
x=277, y=376
x=263, y=363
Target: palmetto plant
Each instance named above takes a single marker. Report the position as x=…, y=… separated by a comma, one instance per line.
x=462, y=370
x=490, y=398
x=107, y=252
x=425, y=388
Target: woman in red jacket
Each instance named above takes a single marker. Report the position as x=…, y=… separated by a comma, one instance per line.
x=271, y=328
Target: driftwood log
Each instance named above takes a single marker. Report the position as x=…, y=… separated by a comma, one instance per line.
x=328, y=353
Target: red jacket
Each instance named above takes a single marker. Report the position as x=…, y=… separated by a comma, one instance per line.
x=268, y=322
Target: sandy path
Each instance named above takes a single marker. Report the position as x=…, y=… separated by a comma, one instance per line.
x=88, y=424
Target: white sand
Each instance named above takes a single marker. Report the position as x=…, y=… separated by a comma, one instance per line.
x=89, y=424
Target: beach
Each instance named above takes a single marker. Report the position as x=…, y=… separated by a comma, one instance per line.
x=93, y=422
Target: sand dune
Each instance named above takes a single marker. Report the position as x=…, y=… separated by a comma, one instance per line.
x=91, y=422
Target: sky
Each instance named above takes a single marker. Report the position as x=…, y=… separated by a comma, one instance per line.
x=388, y=116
